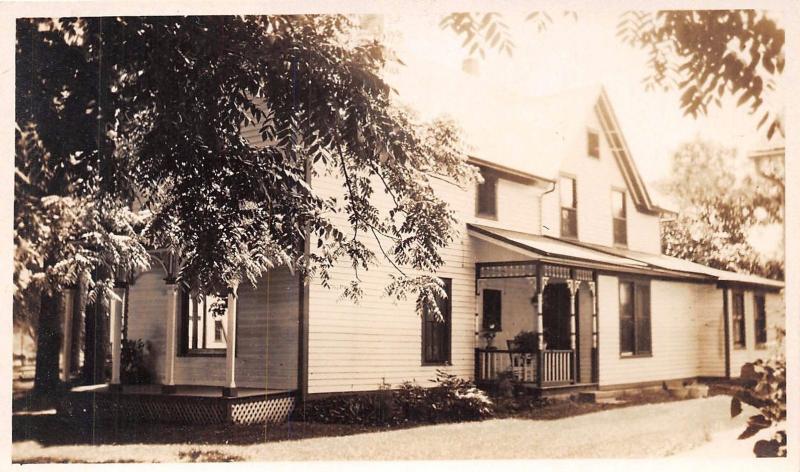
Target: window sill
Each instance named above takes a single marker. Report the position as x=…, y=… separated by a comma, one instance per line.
x=204, y=353
x=486, y=216
x=761, y=347
x=739, y=348
x=636, y=356
x=437, y=364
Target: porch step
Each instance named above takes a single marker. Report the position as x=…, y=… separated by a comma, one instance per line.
x=598, y=396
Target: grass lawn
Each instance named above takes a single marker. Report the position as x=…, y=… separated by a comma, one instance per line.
x=562, y=429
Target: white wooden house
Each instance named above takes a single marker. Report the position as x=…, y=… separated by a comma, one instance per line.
x=561, y=239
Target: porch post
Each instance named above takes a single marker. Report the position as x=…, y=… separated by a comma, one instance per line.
x=595, y=354
x=66, y=341
x=230, y=346
x=116, y=334
x=573, y=286
x=542, y=283
x=171, y=327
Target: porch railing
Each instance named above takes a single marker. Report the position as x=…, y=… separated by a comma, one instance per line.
x=543, y=368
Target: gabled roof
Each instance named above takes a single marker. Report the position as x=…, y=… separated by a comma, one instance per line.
x=534, y=134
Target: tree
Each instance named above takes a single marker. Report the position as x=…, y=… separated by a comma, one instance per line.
x=716, y=210
x=707, y=54
x=151, y=110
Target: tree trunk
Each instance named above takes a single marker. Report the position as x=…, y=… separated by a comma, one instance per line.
x=77, y=329
x=48, y=344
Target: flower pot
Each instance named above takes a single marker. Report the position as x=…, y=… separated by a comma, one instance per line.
x=680, y=393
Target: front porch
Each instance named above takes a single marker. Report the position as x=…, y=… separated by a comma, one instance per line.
x=185, y=404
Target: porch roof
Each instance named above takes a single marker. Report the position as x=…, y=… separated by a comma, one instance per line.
x=579, y=253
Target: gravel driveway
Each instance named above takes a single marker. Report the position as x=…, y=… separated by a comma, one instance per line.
x=655, y=430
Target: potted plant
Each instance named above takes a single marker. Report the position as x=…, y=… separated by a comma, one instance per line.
x=525, y=341
x=489, y=337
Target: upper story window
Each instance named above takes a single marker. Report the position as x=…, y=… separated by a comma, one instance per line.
x=619, y=214
x=738, y=321
x=486, y=205
x=569, y=207
x=593, y=144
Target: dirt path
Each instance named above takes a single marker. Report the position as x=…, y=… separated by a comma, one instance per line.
x=656, y=430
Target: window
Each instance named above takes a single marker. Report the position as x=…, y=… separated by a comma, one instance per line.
x=593, y=144
x=569, y=207
x=760, y=319
x=738, y=321
x=634, y=318
x=436, y=333
x=619, y=214
x=487, y=195
x=203, y=325
x=492, y=313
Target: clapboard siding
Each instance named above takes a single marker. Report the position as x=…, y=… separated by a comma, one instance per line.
x=518, y=312
x=711, y=330
x=517, y=207
x=359, y=346
x=267, y=324
x=147, y=315
x=677, y=310
x=595, y=180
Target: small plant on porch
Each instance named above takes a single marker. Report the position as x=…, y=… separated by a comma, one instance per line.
x=525, y=341
x=133, y=368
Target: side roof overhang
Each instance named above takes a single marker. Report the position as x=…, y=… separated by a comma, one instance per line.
x=590, y=256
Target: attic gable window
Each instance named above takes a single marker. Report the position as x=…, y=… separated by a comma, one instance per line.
x=593, y=144
x=619, y=215
x=486, y=205
x=569, y=207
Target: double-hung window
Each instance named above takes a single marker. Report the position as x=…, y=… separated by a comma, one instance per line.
x=203, y=326
x=739, y=332
x=486, y=204
x=634, y=318
x=436, y=332
x=568, y=191
x=760, y=319
x=619, y=216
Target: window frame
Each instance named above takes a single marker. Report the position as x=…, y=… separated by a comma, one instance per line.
x=488, y=175
x=760, y=330
x=447, y=326
x=589, y=148
x=637, y=285
x=184, y=350
x=570, y=209
x=615, y=218
x=499, y=324
x=738, y=322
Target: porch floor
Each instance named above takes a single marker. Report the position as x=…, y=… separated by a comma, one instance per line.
x=205, y=391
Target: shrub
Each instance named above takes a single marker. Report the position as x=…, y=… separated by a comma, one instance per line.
x=374, y=409
x=764, y=387
x=452, y=399
x=133, y=364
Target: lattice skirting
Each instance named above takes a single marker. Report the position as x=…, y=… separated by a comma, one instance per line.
x=180, y=409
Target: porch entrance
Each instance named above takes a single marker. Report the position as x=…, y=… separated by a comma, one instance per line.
x=547, y=320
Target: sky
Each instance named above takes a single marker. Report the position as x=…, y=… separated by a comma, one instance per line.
x=569, y=54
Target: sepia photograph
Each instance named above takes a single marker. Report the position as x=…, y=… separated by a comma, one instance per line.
x=412, y=233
